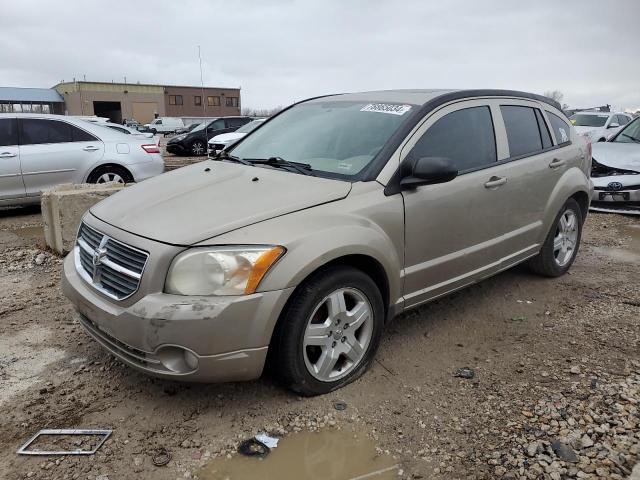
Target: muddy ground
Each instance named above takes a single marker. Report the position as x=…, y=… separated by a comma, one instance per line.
x=554, y=360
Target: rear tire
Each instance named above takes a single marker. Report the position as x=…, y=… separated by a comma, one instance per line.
x=561, y=246
x=110, y=173
x=329, y=332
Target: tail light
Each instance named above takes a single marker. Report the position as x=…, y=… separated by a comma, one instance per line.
x=588, y=139
x=151, y=148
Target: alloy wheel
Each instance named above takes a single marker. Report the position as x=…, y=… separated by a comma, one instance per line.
x=110, y=177
x=338, y=334
x=197, y=148
x=565, y=241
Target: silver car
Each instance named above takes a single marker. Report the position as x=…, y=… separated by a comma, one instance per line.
x=616, y=172
x=298, y=245
x=40, y=151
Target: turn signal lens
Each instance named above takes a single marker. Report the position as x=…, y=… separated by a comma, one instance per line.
x=262, y=266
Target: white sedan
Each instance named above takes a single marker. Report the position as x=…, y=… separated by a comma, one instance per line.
x=39, y=151
x=219, y=142
x=615, y=172
x=599, y=126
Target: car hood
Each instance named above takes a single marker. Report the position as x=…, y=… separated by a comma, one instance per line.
x=191, y=205
x=583, y=130
x=226, y=137
x=617, y=155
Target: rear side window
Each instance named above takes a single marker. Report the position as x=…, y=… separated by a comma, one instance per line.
x=79, y=135
x=464, y=136
x=523, y=131
x=560, y=128
x=622, y=120
x=8, y=132
x=36, y=131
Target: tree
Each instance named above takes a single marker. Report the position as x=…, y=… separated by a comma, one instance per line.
x=261, y=112
x=556, y=95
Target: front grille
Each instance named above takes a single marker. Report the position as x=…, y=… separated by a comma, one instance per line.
x=110, y=266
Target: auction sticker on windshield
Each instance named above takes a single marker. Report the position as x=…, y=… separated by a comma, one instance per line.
x=386, y=108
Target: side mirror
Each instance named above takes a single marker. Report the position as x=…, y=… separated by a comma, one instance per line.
x=613, y=125
x=429, y=171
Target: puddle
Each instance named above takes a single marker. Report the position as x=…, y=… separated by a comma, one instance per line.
x=628, y=254
x=326, y=455
x=22, y=360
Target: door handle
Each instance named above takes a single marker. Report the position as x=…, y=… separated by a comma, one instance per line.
x=495, y=182
x=556, y=162
x=8, y=155
x=90, y=148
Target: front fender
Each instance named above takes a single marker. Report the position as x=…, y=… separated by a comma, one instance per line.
x=365, y=223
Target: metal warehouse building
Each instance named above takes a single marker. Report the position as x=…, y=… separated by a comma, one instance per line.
x=30, y=100
x=144, y=102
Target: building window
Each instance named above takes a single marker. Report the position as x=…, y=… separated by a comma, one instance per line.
x=45, y=108
x=175, y=99
x=232, y=101
x=197, y=100
x=213, y=101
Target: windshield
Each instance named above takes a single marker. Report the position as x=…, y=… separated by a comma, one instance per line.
x=630, y=133
x=583, y=120
x=193, y=126
x=201, y=126
x=250, y=127
x=339, y=138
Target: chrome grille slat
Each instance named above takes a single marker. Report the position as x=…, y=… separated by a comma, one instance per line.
x=110, y=266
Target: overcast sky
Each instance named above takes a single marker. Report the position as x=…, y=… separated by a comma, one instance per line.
x=280, y=51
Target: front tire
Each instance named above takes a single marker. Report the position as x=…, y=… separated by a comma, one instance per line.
x=198, y=148
x=562, y=243
x=329, y=332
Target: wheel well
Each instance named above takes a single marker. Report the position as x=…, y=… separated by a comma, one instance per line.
x=583, y=200
x=364, y=263
x=120, y=167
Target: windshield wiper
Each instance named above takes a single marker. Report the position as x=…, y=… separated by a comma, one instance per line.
x=225, y=156
x=303, y=168
x=637, y=140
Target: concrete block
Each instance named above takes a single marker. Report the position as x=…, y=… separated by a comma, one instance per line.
x=63, y=207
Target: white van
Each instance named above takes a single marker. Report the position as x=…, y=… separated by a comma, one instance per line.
x=165, y=125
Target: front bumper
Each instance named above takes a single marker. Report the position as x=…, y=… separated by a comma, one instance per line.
x=176, y=148
x=624, y=198
x=203, y=339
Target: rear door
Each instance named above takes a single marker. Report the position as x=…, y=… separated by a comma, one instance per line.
x=11, y=185
x=533, y=166
x=54, y=152
x=454, y=231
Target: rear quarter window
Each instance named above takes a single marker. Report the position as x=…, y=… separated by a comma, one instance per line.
x=560, y=128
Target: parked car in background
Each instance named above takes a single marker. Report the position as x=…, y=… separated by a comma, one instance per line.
x=599, y=126
x=615, y=172
x=195, y=142
x=40, y=151
x=164, y=125
x=306, y=237
x=127, y=130
x=219, y=142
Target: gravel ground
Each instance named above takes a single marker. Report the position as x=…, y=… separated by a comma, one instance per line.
x=554, y=393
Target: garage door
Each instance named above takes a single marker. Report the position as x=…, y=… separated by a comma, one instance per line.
x=143, y=111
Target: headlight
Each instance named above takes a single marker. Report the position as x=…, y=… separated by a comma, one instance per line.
x=221, y=271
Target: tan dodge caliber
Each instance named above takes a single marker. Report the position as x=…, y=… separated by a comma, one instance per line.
x=296, y=245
